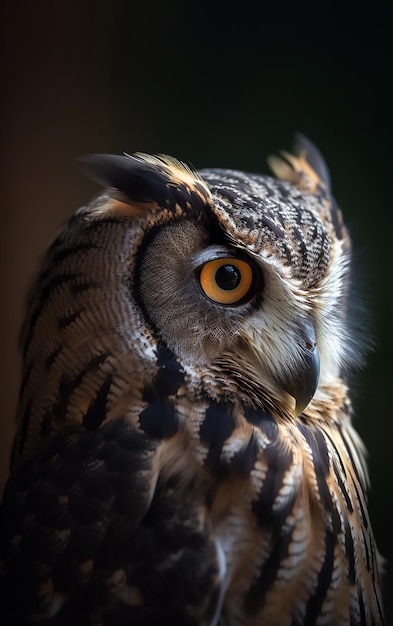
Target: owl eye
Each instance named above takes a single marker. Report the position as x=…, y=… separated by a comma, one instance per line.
x=226, y=280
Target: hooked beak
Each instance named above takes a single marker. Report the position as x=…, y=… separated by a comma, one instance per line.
x=302, y=382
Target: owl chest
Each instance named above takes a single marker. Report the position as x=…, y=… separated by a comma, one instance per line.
x=262, y=507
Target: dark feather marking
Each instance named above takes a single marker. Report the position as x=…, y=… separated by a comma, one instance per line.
x=317, y=443
x=55, y=283
x=66, y=320
x=348, y=450
x=68, y=385
x=165, y=355
x=336, y=521
x=51, y=358
x=255, y=598
x=362, y=609
x=166, y=383
x=216, y=428
x=298, y=236
x=169, y=378
x=278, y=460
x=229, y=194
x=66, y=388
x=159, y=420
x=243, y=461
x=314, y=604
x=264, y=421
x=376, y=585
x=368, y=561
x=81, y=287
x=332, y=443
x=60, y=255
x=342, y=488
x=96, y=412
x=255, y=204
x=361, y=507
x=104, y=222
x=350, y=552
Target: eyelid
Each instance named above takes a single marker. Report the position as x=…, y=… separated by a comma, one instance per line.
x=211, y=253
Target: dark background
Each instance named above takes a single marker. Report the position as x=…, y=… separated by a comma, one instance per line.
x=222, y=84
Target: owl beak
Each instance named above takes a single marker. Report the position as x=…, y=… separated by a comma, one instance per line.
x=302, y=383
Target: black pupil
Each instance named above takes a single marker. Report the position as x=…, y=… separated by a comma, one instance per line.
x=228, y=277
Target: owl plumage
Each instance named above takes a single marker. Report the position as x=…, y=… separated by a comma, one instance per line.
x=185, y=453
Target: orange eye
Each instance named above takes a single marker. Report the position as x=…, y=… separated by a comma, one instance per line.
x=226, y=280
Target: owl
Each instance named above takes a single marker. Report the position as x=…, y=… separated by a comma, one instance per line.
x=185, y=453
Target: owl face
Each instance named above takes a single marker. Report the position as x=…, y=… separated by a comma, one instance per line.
x=234, y=270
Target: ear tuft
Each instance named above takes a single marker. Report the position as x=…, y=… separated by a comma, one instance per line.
x=306, y=168
x=139, y=178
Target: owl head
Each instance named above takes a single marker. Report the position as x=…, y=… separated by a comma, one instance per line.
x=215, y=282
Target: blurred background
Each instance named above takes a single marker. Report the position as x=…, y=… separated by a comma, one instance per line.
x=220, y=84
